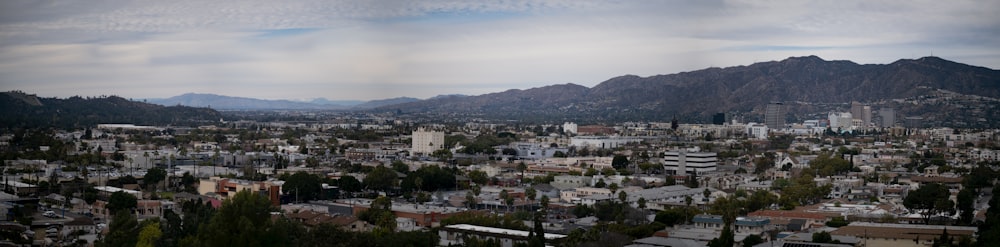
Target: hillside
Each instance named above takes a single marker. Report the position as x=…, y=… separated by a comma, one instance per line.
x=25, y=110
x=222, y=102
x=695, y=95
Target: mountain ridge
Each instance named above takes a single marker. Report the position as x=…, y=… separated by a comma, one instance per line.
x=744, y=88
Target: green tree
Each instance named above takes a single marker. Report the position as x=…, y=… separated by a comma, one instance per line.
x=929, y=200
x=122, y=232
x=521, y=167
x=751, y=240
x=478, y=177
x=121, y=201
x=242, y=220
x=508, y=200
x=613, y=187
x=380, y=214
x=349, y=184
x=966, y=205
x=530, y=194
x=822, y=237
x=150, y=233
x=153, y=177
x=725, y=239
x=470, y=199
x=600, y=183
x=380, y=179
x=302, y=185
x=619, y=162
x=989, y=231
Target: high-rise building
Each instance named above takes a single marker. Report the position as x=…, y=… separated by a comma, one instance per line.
x=426, y=142
x=887, y=117
x=857, y=109
x=866, y=116
x=774, y=116
x=719, y=118
x=862, y=112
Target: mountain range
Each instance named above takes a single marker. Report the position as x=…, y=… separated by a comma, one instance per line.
x=20, y=110
x=222, y=102
x=797, y=81
x=936, y=90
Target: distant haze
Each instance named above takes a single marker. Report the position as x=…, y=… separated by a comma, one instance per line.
x=365, y=50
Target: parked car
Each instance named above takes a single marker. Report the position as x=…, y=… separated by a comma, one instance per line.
x=50, y=214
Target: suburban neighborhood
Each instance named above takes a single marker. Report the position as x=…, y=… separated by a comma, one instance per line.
x=854, y=178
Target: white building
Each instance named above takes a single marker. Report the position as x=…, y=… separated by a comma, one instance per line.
x=681, y=161
x=601, y=141
x=569, y=128
x=842, y=120
x=757, y=131
x=426, y=142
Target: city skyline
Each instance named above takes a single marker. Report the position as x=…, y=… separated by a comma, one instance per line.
x=376, y=50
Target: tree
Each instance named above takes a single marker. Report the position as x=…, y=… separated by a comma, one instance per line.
x=613, y=187
x=304, y=186
x=691, y=181
x=619, y=162
x=642, y=202
x=122, y=231
x=725, y=239
x=242, y=220
x=507, y=198
x=751, y=240
x=380, y=214
x=966, y=205
x=442, y=154
x=521, y=167
x=930, y=199
x=380, y=179
x=150, y=233
x=670, y=181
x=349, y=184
x=530, y=194
x=479, y=177
x=121, y=201
x=822, y=237
x=470, y=199
x=153, y=177
x=622, y=196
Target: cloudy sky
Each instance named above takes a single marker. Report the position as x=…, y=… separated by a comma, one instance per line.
x=382, y=49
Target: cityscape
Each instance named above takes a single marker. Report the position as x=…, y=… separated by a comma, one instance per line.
x=515, y=123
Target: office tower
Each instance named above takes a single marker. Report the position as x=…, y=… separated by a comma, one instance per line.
x=888, y=117
x=774, y=116
x=719, y=118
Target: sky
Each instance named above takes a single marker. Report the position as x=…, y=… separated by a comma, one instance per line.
x=364, y=50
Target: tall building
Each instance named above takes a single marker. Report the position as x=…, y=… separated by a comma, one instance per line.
x=887, y=117
x=774, y=116
x=426, y=142
x=681, y=162
x=842, y=120
x=863, y=112
x=719, y=118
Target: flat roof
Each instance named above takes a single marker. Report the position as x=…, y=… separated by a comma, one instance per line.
x=502, y=231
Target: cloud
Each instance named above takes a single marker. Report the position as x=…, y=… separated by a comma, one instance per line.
x=382, y=49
